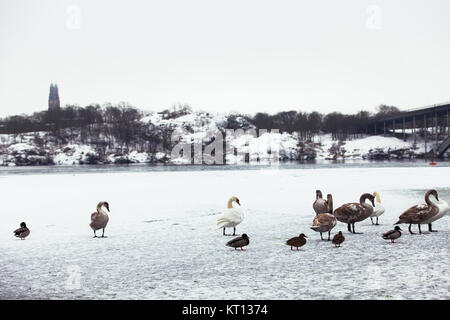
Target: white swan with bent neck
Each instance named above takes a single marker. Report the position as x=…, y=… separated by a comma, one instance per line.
x=231, y=217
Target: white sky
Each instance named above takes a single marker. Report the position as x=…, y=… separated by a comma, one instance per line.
x=228, y=55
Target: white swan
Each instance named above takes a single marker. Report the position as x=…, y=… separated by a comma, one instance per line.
x=442, y=207
x=378, y=209
x=231, y=217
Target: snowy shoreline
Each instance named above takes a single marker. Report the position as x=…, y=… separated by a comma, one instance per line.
x=73, y=146
x=27, y=153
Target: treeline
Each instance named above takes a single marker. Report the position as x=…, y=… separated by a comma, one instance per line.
x=120, y=124
x=310, y=124
x=108, y=126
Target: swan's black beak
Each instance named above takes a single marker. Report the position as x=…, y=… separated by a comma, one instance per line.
x=237, y=201
x=107, y=206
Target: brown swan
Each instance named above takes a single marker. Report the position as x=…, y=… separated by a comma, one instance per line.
x=324, y=222
x=320, y=205
x=350, y=213
x=420, y=213
x=99, y=219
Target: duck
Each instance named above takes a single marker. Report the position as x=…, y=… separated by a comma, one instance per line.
x=324, y=222
x=297, y=241
x=338, y=239
x=239, y=242
x=421, y=213
x=100, y=218
x=378, y=209
x=443, y=208
x=393, y=234
x=22, y=232
x=231, y=217
x=320, y=205
x=355, y=212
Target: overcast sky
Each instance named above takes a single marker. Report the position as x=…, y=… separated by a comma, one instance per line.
x=227, y=55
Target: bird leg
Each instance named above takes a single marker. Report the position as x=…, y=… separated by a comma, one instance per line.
x=95, y=235
x=377, y=222
x=328, y=235
x=291, y=248
x=371, y=220
x=297, y=249
x=409, y=228
x=224, y=231
x=348, y=227
x=430, y=228
x=420, y=231
x=353, y=226
x=321, y=238
x=103, y=233
x=234, y=231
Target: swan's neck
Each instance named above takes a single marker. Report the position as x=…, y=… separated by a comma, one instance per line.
x=100, y=210
x=230, y=204
x=377, y=197
x=330, y=205
x=365, y=204
x=363, y=199
x=431, y=201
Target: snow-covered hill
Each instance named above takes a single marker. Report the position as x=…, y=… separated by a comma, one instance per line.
x=43, y=148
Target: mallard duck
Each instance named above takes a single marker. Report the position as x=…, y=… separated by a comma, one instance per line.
x=350, y=213
x=231, y=217
x=239, y=242
x=22, y=232
x=338, y=239
x=297, y=241
x=421, y=213
x=393, y=234
x=100, y=218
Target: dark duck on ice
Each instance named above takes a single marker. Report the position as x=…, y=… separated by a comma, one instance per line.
x=22, y=232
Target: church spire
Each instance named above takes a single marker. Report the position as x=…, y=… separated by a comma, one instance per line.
x=53, y=98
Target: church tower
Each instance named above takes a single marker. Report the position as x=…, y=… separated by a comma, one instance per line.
x=53, y=98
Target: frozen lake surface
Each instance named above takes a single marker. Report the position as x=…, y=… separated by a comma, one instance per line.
x=162, y=242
